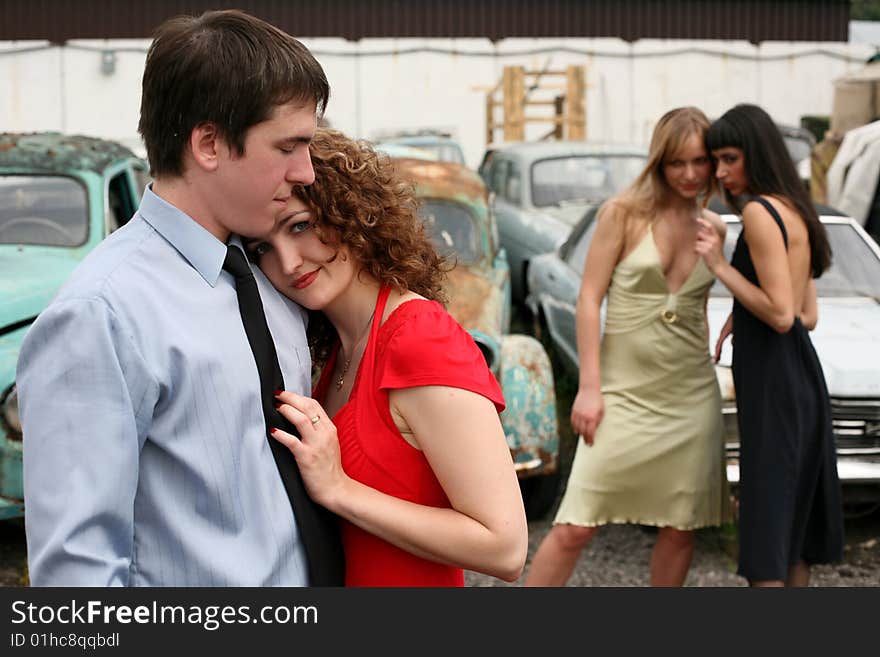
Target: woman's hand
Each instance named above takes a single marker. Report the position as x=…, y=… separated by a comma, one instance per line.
x=587, y=412
x=317, y=451
x=726, y=330
x=709, y=245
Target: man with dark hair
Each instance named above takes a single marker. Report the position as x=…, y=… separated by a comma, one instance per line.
x=146, y=456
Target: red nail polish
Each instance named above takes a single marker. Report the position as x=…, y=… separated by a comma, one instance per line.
x=278, y=392
x=277, y=404
x=273, y=430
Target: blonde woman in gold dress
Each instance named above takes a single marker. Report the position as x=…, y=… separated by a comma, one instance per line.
x=648, y=408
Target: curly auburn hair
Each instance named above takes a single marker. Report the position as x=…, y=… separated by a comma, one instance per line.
x=360, y=201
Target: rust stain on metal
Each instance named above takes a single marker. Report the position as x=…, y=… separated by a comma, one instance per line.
x=443, y=179
x=53, y=151
x=478, y=303
x=469, y=293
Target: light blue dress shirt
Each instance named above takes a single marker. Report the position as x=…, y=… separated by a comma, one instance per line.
x=146, y=461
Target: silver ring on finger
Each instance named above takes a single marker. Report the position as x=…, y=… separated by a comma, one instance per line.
x=315, y=420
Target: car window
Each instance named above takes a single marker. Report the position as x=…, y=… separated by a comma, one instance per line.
x=121, y=205
x=582, y=179
x=855, y=268
x=486, y=165
x=513, y=184
x=854, y=271
x=445, y=152
x=43, y=210
x=453, y=230
x=498, y=175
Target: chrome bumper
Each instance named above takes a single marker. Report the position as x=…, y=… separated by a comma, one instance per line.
x=849, y=472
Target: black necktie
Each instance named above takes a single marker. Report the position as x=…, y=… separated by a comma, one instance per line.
x=318, y=528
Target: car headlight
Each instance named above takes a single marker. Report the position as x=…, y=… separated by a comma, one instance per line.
x=10, y=410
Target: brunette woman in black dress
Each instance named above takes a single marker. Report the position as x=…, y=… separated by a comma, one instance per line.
x=790, y=508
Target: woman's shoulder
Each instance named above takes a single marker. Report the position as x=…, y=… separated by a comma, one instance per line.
x=617, y=211
x=421, y=344
x=758, y=205
x=403, y=306
x=618, y=222
x=771, y=209
x=410, y=314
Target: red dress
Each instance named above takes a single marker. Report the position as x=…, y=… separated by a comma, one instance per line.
x=419, y=344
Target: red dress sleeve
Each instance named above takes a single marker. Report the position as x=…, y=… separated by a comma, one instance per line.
x=428, y=347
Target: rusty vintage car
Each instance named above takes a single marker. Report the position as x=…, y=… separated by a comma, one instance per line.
x=456, y=206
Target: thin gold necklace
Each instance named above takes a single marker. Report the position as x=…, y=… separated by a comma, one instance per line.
x=341, y=380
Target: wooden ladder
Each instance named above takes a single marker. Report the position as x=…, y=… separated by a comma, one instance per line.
x=569, y=112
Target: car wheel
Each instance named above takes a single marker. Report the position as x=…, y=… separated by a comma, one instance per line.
x=539, y=494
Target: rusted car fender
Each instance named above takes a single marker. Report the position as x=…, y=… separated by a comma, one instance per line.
x=529, y=420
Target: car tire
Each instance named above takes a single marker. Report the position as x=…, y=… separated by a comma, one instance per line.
x=539, y=494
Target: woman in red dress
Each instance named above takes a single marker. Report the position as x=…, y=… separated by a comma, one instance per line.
x=402, y=439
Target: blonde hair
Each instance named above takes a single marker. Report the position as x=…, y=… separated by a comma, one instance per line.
x=650, y=189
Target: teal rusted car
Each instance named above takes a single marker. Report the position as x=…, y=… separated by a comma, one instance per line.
x=60, y=196
x=456, y=207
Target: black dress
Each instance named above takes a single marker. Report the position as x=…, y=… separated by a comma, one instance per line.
x=790, y=504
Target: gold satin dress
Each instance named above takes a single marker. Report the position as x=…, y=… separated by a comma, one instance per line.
x=658, y=454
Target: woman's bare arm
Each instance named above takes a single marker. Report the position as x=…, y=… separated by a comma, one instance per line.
x=810, y=311
x=604, y=253
x=772, y=300
x=462, y=438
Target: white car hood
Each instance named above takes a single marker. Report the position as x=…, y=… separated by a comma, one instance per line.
x=846, y=339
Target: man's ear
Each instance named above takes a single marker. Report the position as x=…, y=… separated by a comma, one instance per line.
x=206, y=145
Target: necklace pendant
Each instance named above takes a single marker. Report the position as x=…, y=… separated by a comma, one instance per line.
x=341, y=380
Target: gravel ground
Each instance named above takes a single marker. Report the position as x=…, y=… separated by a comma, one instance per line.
x=619, y=556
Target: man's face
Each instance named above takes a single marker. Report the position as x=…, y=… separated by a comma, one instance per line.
x=254, y=187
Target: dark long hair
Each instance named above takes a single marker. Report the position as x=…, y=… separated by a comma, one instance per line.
x=769, y=170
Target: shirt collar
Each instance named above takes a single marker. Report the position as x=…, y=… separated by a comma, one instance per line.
x=204, y=252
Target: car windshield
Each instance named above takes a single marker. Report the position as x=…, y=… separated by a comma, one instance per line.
x=452, y=229
x=445, y=152
x=42, y=210
x=854, y=271
x=581, y=178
